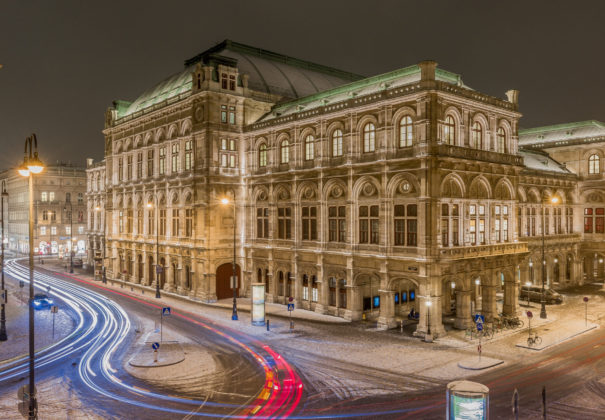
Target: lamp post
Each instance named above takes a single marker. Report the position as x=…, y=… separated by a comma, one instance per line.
x=428, y=316
x=158, y=268
x=553, y=200
x=3, y=336
x=71, y=243
x=31, y=165
x=528, y=284
x=104, y=251
x=234, y=283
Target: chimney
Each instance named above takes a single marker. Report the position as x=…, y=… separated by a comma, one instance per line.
x=513, y=96
x=89, y=162
x=427, y=69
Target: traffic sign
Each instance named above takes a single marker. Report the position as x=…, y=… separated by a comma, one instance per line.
x=479, y=326
x=585, y=299
x=529, y=314
x=290, y=307
x=155, y=345
x=54, y=309
x=479, y=318
x=166, y=311
x=158, y=269
x=23, y=392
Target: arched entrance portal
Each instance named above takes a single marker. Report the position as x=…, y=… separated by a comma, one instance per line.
x=223, y=276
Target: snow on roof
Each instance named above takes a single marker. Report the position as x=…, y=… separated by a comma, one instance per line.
x=561, y=133
x=542, y=162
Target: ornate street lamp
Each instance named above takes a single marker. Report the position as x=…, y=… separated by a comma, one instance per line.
x=3, y=336
x=234, y=283
x=553, y=200
x=30, y=167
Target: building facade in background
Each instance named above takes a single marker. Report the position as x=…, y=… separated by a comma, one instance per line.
x=60, y=215
x=352, y=195
x=95, y=199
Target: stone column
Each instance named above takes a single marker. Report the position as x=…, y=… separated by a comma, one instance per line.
x=430, y=316
x=322, y=302
x=354, y=304
x=135, y=269
x=463, y=309
x=510, y=307
x=489, y=308
x=386, y=318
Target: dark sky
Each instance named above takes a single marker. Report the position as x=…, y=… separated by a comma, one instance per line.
x=65, y=61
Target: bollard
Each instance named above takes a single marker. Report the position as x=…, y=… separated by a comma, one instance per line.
x=291, y=326
x=155, y=356
x=268, y=325
x=401, y=326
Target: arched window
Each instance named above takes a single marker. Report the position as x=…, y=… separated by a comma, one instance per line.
x=369, y=138
x=309, y=148
x=477, y=136
x=262, y=155
x=337, y=143
x=449, y=130
x=285, y=151
x=405, y=132
x=593, y=164
x=500, y=140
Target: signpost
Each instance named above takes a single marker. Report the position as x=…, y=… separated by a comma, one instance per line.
x=479, y=321
x=53, y=310
x=585, y=311
x=165, y=312
x=155, y=346
x=291, y=309
x=23, y=395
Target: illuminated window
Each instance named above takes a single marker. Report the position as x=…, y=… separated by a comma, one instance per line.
x=175, y=158
x=449, y=130
x=44, y=196
x=593, y=164
x=369, y=138
x=162, y=160
x=231, y=115
x=337, y=143
x=477, y=136
x=405, y=132
x=500, y=140
x=285, y=151
x=223, y=113
x=139, y=165
x=309, y=148
x=188, y=154
x=262, y=155
x=150, y=163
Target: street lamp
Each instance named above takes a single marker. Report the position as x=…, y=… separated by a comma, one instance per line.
x=31, y=166
x=3, y=336
x=71, y=244
x=158, y=268
x=553, y=200
x=528, y=284
x=225, y=202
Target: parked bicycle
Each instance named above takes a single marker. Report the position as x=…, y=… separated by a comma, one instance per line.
x=533, y=339
x=511, y=322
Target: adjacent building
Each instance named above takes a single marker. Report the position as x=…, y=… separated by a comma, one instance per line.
x=354, y=196
x=59, y=211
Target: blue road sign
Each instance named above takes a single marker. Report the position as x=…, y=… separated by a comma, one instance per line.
x=166, y=311
x=290, y=307
x=479, y=318
x=155, y=345
x=479, y=326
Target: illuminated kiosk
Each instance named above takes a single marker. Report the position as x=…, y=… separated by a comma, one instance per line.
x=467, y=400
x=258, y=304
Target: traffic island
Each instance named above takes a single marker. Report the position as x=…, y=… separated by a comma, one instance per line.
x=553, y=335
x=167, y=354
x=479, y=363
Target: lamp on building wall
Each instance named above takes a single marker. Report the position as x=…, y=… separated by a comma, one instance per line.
x=158, y=267
x=3, y=336
x=234, y=280
x=30, y=167
x=554, y=200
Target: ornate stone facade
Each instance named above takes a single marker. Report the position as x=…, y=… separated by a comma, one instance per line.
x=357, y=198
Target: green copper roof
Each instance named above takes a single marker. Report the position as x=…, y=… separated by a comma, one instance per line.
x=362, y=87
x=276, y=74
x=561, y=132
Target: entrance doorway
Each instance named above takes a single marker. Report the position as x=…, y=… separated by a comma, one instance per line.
x=223, y=276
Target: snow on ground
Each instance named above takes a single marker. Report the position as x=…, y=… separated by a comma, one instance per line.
x=17, y=326
x=56, y=400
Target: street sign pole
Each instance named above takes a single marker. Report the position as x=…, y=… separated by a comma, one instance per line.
x=585, y=311
x=54, y=309
x=162, y=326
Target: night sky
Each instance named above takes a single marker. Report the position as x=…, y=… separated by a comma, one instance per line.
x=65, y=61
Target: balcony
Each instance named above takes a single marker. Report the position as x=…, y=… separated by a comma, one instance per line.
x=477, y=251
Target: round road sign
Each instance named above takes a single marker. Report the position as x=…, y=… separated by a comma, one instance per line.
x=585, y=299
x=529, y=314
